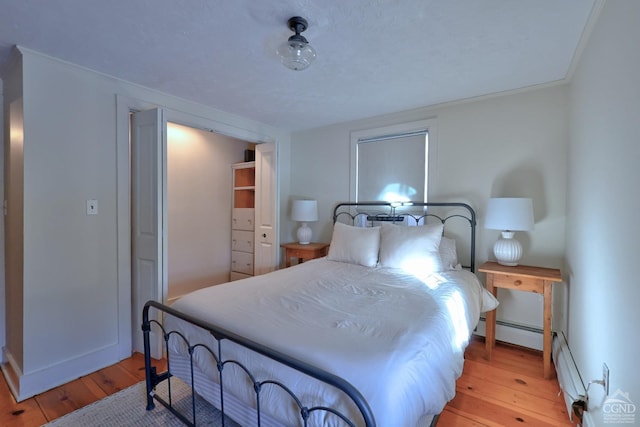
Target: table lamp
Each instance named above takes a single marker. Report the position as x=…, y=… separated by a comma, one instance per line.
x=509, y=215
x=304, y=211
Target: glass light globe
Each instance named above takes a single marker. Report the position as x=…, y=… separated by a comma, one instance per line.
x=296, y=53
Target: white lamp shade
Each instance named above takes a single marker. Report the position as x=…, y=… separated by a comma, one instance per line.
x=304, y=210
x=513, y=214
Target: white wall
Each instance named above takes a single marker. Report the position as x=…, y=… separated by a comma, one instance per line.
x=603, y=204
x=3, y=336
x=13, y=222
x=77, y=275
x=70, y=259
x=199, y=184
x=512, y=145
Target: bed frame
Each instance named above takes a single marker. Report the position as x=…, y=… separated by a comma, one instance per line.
x=220, y=334
x=372, y=212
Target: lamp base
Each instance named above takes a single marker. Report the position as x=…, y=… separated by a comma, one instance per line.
x=304, y=234
x=507, y=250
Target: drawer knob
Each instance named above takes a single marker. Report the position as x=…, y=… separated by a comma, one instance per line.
x=518, y=282
x=264, y=235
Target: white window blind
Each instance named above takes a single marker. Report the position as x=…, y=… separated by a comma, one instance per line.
x=393, y=167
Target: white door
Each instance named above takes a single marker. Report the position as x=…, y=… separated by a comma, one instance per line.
x=148, y=222
x=265, y=257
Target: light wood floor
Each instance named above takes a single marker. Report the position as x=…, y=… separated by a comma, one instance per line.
x=509, y=390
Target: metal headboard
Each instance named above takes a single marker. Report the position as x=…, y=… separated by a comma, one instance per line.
x=402, y=212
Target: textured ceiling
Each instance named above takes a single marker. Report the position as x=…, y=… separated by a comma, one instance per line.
x=374, y=57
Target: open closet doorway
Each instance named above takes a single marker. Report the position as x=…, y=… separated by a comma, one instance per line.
x=199, y=198
x=182, y=210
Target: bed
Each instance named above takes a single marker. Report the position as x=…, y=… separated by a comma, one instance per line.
x=372, y=334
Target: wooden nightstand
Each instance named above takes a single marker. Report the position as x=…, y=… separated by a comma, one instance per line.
x=303, y=252
x=523, y=278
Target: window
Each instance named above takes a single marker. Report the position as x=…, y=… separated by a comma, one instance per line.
x=392, y=163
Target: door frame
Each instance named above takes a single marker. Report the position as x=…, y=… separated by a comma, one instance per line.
x=124, y=106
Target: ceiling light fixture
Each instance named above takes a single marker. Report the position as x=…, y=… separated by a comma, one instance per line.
x=296, y=53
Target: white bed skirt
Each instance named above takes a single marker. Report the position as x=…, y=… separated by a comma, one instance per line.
x=210, y=391
x=234, y=408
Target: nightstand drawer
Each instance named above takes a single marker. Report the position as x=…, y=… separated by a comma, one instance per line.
x=527, y=284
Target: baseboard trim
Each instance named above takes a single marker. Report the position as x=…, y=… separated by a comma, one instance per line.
x=11, y=372
x=26, y=385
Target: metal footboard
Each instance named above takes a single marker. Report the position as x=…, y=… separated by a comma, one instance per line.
x=153, y=378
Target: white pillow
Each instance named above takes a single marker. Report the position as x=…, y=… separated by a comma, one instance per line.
x=355, y=245
x=414, y=249
x=448, y=253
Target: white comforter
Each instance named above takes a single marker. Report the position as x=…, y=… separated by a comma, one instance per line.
x=398, y=339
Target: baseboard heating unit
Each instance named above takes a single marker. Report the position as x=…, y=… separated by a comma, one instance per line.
x=571, y=384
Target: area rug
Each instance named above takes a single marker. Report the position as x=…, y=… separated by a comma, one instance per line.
x=127, y=408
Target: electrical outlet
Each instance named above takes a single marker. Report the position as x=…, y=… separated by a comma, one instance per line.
x=605, y=378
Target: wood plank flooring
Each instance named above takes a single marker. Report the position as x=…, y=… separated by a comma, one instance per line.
x=507, y=391
x=67, y=398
